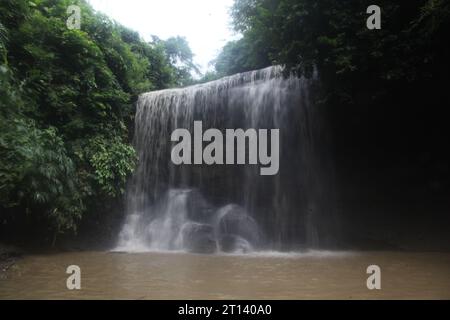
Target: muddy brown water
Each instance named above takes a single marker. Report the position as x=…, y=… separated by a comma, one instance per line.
x=313, y=275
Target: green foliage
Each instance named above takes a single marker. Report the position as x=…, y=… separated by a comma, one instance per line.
x=67, y=100
x=36, y=173
x=3, y=39
x=239, y=56
x=112, y=161
x=332, y=37
x=180, y=56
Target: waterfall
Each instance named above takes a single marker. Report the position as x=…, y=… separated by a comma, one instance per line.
x=231, y=208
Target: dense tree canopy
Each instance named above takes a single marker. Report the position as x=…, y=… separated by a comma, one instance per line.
x=67, y=98
x=332, y=36
x=181, y=58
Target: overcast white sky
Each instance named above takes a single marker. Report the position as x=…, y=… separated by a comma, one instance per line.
x=204, y=23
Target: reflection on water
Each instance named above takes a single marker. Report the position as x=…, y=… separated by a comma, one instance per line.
x=311, y=275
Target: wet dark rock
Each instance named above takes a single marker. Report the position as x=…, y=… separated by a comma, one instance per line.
x=199, y=238
x=198, y=209
x=234, y=221
x=234, y=244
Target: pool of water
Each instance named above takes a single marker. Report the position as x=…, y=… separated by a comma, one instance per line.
x=267, y=275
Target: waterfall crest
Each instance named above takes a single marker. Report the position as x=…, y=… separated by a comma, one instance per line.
x=230, y=208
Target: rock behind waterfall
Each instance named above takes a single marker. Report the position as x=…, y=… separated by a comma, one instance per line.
x=236, y=230
x=198, y=238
